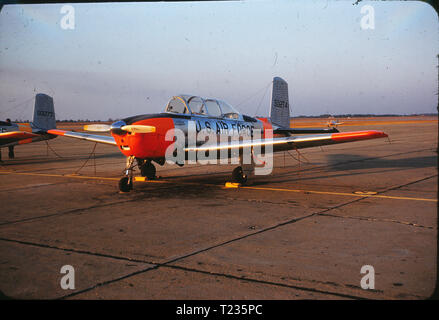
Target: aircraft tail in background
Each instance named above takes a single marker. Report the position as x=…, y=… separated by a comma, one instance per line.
x=280, y=112
x=280, y=106
x=44, y=112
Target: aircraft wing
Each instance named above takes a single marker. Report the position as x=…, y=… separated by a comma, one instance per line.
x=84, y=136
x=17, y=135
x=296, y=142
x=279, y=143
x=305, y=130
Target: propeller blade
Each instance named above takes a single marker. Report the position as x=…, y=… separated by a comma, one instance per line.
x=97, y=127
x=129, y=128
x=137, y=128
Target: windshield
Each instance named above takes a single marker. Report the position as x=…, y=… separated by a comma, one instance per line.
x=176, y=105
x=199, y=106
x=227, y=110
x=213, y=108
x=196, y=104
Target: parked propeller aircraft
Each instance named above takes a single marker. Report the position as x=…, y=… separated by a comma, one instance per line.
x=12, y=134
x=333, y=123
x=154, y=137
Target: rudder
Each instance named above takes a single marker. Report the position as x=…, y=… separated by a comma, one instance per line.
x=44, y=112
x=280, y=106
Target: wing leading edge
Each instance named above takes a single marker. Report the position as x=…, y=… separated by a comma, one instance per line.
x=296, y=142
x=84, y=136
x=279, y=143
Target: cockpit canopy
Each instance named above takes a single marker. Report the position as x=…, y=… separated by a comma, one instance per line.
x=194, y=105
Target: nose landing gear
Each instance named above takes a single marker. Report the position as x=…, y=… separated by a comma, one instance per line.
x=126, y=183
x=147, y=169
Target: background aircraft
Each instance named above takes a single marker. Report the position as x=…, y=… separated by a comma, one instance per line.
x=12, y=134
x=333, y=123
x=142, y=138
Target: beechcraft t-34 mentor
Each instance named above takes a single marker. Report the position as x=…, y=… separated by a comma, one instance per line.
x=157, y=137
x=12, y=134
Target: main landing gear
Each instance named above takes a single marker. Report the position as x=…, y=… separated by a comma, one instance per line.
x=244, y=171
x=147, y=169
x=239, y=176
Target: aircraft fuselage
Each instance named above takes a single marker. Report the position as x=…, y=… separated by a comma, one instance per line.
x=20, y=134
x=168, y=126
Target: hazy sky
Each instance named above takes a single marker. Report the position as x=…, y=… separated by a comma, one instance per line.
x=130, y=58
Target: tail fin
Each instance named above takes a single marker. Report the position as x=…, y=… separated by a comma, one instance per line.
x=280, y=106
x=44, y=112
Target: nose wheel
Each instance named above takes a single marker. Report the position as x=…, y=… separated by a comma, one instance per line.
x=126, y=183
x=147, y=169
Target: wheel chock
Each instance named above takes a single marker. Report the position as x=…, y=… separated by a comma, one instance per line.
x=232, y=185
x=145, y=179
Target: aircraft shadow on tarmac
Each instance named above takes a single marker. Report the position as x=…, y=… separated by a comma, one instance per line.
x=205, y=184
x=340, y=162
x=337, y=166
x=342, y=165
x=180, y=190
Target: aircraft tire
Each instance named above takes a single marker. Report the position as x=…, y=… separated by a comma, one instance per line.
x=125, y=185
x=148, y=170
x=239, y=176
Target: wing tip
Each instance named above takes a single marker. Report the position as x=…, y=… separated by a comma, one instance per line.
x=358, y=135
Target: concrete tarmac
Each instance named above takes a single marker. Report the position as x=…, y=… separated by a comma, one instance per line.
x=303, y=232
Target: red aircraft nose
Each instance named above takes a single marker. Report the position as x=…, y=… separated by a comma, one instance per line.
x=146, y=145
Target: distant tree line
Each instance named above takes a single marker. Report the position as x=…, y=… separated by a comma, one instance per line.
x=80, y=120
x=326, y=115
x=362, y=115
x=358, y=115
x=347, y=115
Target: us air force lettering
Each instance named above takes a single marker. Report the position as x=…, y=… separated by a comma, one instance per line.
x=193, y=128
